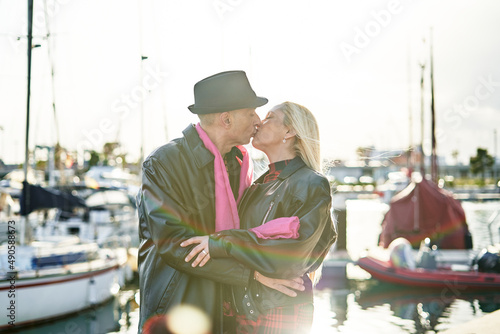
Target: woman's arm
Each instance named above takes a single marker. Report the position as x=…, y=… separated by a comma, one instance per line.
x=286, y=286
x=281, y=258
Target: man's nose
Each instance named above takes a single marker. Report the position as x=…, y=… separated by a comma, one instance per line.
x=257, y=121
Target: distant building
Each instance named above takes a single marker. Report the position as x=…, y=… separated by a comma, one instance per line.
x=379, y=163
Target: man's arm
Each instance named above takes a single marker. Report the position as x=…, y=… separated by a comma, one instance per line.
x=165, y=219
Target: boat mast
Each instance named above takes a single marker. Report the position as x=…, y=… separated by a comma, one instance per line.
x=51, y=63
x=26, y=197
x=53, y=151
x=422, y=154
x=410, y=120
x=411, y=156
x=30, y=41
x=434, y=166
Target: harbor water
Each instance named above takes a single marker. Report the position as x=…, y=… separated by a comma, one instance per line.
x=370, y=306
x=363, y=306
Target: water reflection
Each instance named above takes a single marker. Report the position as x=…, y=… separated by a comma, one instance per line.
x=103, y=319
x=377, y=307
x=116, y=315
x=423, y=307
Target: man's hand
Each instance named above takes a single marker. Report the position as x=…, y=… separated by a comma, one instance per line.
x=282, y=285
x=201, y=250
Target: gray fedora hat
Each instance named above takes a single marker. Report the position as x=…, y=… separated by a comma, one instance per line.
x=224, y=91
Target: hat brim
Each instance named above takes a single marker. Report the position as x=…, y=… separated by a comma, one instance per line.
x=255, y=103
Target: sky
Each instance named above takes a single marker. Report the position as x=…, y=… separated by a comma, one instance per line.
x=355, y=64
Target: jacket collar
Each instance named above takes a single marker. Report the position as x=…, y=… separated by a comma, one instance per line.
x=293, y=166
x=200, y=154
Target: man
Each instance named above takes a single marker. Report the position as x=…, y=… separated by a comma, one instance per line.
x=177, y=201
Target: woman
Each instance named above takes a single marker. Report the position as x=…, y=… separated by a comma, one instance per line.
x=292, y=188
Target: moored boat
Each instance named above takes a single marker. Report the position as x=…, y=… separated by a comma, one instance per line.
x=423, y=210
x=447, y=277
x=55, y=278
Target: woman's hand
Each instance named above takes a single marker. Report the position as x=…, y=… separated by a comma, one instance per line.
x=201, y=250
x=281, y=285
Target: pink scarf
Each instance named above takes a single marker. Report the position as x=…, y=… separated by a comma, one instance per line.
x=226, y=209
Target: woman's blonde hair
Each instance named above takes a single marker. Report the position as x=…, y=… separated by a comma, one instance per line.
x=304, y=123
x=306, y=145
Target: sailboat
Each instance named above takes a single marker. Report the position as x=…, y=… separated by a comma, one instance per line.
x=424, y=210
x=437, y=216
x=427, y=216
x=57, y=275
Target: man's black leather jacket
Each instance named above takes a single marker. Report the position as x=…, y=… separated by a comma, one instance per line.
x=175, y=203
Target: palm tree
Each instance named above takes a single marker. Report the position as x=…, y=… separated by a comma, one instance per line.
x=481, y=162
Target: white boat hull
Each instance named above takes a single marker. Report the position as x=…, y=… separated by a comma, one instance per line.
x=48, y=297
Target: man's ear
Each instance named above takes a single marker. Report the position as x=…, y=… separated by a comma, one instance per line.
x=225, y=119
